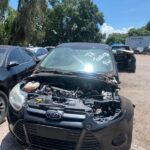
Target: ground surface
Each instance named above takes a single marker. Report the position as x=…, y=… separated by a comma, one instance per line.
x=134, y=86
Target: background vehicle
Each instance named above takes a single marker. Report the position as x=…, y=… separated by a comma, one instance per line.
x=37, y=52
x=138, y=50
x=72, y=104
x=124, y=57
x=34, y=57
x=15, y=64
x=146, y=50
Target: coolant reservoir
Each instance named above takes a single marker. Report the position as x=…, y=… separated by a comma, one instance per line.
x=31, y=86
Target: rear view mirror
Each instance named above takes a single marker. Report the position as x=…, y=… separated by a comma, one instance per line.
x=12, y=64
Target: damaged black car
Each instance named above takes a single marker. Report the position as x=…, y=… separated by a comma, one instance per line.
x=71, y=102
x=124, y=57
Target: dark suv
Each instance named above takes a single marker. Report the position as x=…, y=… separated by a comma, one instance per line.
x=71, y=102
x=124, y=57
x=15, y=64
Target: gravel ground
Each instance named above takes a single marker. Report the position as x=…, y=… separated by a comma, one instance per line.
x=133, y=86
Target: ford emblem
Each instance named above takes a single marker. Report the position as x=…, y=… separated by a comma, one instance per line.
x=53, y=115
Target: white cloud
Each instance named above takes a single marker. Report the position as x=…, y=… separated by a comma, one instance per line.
x=107, y=29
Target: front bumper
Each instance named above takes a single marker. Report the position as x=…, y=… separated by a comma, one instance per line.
x=80, y=135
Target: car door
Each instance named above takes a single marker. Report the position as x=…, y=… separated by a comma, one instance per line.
x=17, y=72
x=28, y=62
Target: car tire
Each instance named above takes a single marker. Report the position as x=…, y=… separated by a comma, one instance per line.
x=3, y=106
x=132, y=66
x=132, y=69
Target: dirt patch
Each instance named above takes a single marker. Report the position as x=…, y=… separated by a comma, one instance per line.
x=136, y=87
x=3, y=130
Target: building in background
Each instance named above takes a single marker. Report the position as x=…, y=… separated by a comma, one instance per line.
x=138, y=41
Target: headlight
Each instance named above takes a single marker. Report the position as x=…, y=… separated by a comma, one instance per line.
x=17, y=97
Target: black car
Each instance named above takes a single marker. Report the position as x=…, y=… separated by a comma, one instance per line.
x=15, y=64
x=146, y=50
x=124, y=57
x=71, y=102
x=138, y=50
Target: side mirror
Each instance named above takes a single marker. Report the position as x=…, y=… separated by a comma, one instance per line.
x=12, y=64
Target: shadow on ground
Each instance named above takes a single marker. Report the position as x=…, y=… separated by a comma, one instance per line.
x=9, y=143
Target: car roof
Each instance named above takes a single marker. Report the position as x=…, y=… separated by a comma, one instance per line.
x=85, y=45
x=8, y=47
x=34, y=48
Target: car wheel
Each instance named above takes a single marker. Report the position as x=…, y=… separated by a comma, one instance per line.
x=3, y=106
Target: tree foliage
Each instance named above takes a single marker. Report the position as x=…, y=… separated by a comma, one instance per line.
x=63, y=21
x=116, y=38
x=120, y=38
x=3, y=7
x=148, y=26
x=73, y=21
x=6, y=25
x=29, y=21
x=139, y=32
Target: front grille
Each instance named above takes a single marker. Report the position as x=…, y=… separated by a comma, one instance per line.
x=68, y=134
x=19, y=131
x=62, y=139
x=51, y=144
x=90, y=142
x=51, y=138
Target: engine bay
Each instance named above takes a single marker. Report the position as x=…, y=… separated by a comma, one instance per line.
x=100, y=104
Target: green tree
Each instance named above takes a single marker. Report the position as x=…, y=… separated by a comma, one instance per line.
x=2, y=33
x=139, y=32
x=6, y=25
x=116, y=38
x=3, y=7
x=148, y=26
x=73, y=21
x=28, y=22
x=10, y=16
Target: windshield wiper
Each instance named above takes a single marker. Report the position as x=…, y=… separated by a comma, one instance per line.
x=106, y=77
x=53, y=72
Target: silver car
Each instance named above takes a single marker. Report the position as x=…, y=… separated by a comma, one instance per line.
x=38, y=52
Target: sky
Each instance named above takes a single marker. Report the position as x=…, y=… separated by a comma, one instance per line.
x=119, y=15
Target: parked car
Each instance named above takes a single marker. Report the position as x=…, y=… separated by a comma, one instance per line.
x=15, y=64
x=38, y=53
x=146, y=50
x=73, y=103
x=124, y=57
x=139, y=50
x=34, y=57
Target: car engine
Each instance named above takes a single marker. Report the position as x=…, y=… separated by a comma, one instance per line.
x=102, y=105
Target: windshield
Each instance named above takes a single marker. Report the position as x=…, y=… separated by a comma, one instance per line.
x=79, y=60
x=120, y=47
x=2, y=54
